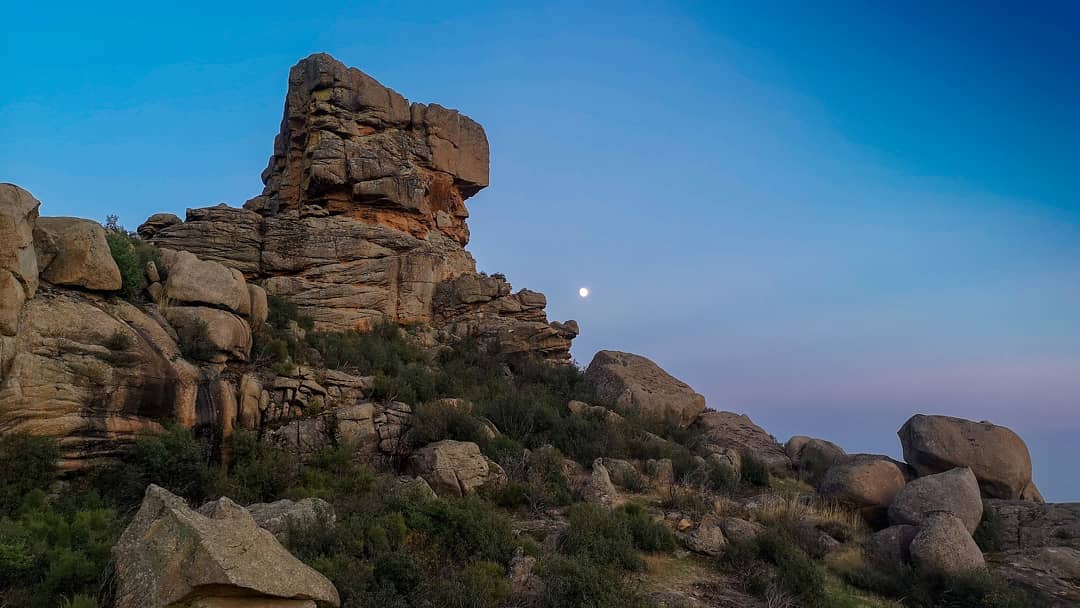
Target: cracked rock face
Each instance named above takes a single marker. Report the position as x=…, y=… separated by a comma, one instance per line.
x=363, y=217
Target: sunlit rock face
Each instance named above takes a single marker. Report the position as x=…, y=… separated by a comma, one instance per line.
x=363, y=216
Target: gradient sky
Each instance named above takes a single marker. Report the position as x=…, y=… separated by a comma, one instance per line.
x=824, y=215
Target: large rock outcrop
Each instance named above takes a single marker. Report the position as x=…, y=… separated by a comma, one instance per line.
x=635, y=383
x=171, y=555
x=997, y=456
x=18, y=261
x=362, y=217
x=865, y=481
x=728, y=431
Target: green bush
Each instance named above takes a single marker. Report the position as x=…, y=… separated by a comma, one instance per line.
x=174, y=459
x=601, y=536
x=194, y=341
x=257, y=472
x=648, y=535
x=131, y=255
x=578, y=582
x=382, y=350
x=436, y=421
x=27, y=463
x=754, y=471
x=477, y=585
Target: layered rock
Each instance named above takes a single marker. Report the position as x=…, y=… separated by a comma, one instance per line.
x=636, y=383
x=171, y=555
x=362, y=217
x=997, y=456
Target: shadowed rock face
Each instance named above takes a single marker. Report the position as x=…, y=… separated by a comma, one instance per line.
x=363, y=217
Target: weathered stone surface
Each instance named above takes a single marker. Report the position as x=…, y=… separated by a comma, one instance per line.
x=1026, y=526
x=260, y=308
x=997, y=456
x=194, y=281
x=155, y=223
x=523, y=579
x=276, y=517
x=867, y=482
x=890, y=548
x=349, y=144
x=707, y=538
x=955, y=491
x=599, y=489
x=18, y=261
x=1053, y=572
x=739, y=530
x=229, y=336
x=362, y=217
x=247, y=413
x=738, y=432
x=812, y=457
x=92, y=373
x=221, y=234
x=412, y=487
x=171, y=554
x=636, y=383
x=73, y=252
x=943, y=545
x=455, y=468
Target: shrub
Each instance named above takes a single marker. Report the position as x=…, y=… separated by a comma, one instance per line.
x=131, y=255
x=477, y=585
x=27, y=463
x=257, y=472
x=175, y=460
x=382, y=350
x=648, y=535
x=754, y=471
x=576, y=581
x=601, y=536
x=464, y=529
x=436, y=421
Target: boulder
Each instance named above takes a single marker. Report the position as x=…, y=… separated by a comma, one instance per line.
x=247, y=411
x=707, y=539
x=739, y=433
x=812, y=457
x=204, y=282
x=455, y=468
x=662, y=471
x=866, y=482
x=171, y=555
x=73, y=252
x=599, y=489
x=1052, y=572
x=636, y=383
x=524, y=580
x=890, y=548
x=18, y=261
x=412, y=487
x=955, y=491
x=218, y=334
x=943, y=545
x=739, y=530
x=996, y=455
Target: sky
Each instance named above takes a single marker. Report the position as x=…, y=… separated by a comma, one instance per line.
x=829, y=216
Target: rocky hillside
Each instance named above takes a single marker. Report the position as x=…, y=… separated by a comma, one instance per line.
x=316, y=400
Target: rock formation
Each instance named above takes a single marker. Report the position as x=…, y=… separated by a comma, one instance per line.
x=997, y=456
x=637, y=384
x=363, y=217
x=171, y=555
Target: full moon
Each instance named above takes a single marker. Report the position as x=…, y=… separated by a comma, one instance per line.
x=583, y=292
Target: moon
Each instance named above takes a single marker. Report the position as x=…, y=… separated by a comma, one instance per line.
x=583, y=292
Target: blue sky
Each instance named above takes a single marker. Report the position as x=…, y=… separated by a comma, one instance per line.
x=829, y=217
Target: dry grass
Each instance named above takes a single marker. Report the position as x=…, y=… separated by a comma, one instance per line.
x=782, y=510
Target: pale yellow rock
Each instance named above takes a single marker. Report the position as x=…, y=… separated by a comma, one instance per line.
x=73, y=252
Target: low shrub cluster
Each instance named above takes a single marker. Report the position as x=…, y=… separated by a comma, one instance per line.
x=131, y=255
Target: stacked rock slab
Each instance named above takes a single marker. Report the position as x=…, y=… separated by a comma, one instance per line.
x=363, y=217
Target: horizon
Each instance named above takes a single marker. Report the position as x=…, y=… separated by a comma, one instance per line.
x=830, y=225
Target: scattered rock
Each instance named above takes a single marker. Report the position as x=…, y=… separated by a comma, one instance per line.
x=171, y=555
x=636, y=383
x=996, y=455
x=955, y=491
x=943, y=545
x=523, y=579
x=277, y=517
x=73, y=252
